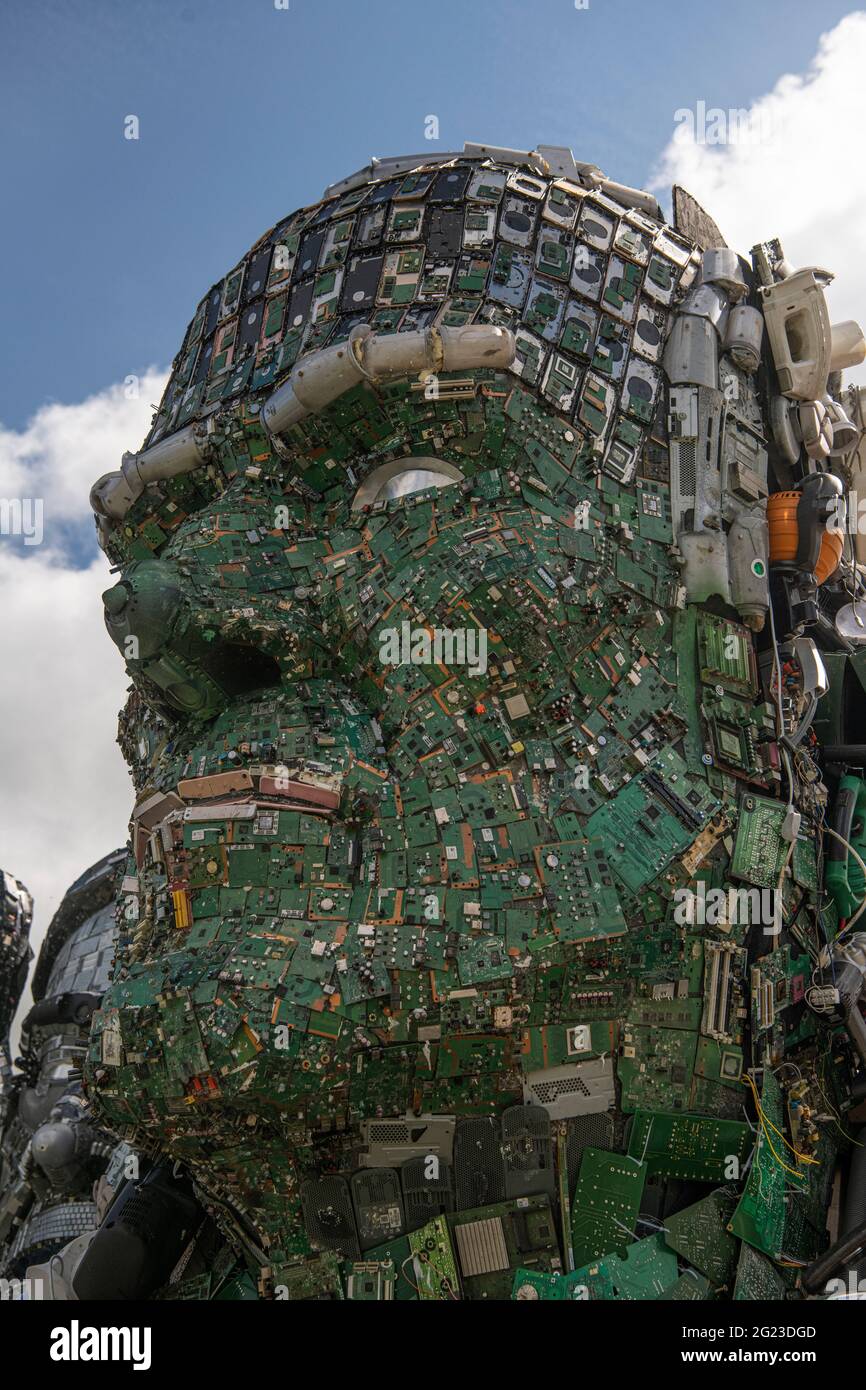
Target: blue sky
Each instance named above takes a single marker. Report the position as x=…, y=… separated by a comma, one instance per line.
x=247, y=112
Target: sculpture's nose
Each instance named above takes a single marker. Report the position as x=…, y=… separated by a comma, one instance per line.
x=116, y=599
x=148, y=621
x=142, y=610
x=161, y=639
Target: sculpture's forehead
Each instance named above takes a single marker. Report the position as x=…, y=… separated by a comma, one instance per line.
x=536, y=294
x=474, y=239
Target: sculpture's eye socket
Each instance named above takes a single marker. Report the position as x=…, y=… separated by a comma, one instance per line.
x=402, y=477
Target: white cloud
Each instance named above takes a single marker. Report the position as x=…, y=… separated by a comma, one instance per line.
x=66, y=793
x=63, y=450
x=803, y=179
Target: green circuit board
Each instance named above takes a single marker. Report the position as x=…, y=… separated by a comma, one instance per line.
x=759, y=851
x=699, y=1234
x=759, y=1218
x=647, y=1270
x=695, y=1147
x=758, y=1279
x=606, y=1204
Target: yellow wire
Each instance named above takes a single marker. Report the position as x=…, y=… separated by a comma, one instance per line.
x=803, y=1158
x=781, y=1163
x=764, y=1123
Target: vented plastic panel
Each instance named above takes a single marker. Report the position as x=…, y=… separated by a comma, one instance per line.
x=57, y=1226
x=425, y=1197
x=328, y=1215
x=479, y=1169
x=526, y=1149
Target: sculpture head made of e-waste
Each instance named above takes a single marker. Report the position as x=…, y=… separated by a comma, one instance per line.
x=477, y=867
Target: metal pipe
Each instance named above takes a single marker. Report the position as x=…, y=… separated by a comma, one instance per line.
x=323, y=376
x=845, y=1250
x=114, y=493
x=632, y=198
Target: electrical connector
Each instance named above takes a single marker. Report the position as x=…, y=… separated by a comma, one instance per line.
x=823, y=997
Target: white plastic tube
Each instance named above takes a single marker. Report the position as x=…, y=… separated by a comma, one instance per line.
x=315, y=382
x=324, y=376
x=114, y=493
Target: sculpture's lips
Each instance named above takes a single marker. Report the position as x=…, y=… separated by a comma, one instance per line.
x=272, y=788
x=209, y=789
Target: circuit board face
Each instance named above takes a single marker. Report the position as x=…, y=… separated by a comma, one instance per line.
x=431, y=748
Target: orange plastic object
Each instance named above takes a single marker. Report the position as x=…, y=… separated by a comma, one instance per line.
x=831, y=553
x=784, y=536
x=782, y=521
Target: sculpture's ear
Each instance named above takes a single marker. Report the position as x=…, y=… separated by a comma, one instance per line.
x=691, y=220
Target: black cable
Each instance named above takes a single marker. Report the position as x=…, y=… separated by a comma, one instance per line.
x=842, y=1253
